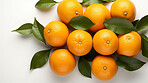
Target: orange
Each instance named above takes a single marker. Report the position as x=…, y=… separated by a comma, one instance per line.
x=79, y=42
x=105, y=42
x=124, y=9
x=129, y=44
x=104, y=67
x=62, y=62
x=97, y=13
x=56, y=33
x=69, y=9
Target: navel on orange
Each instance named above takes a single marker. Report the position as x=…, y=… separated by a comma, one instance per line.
x=56, y=33
x=62, y=62
x=123, y=8
x=105, y=42
x=129, y=44
x=69, y=9
x=79, y=42
x=104, y=67
x=97, y=13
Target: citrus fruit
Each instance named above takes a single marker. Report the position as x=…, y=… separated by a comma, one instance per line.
x=69, y=9
x=124, y=9
x=97, y=13
x=79, y=42
x=105, y=42
x=104, y=67
x=62, y=62
x=56, y=33
x=129, y=44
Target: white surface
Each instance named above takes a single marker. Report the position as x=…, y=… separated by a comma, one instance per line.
x=16, y=50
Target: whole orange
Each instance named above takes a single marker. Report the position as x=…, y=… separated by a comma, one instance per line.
x=105, y=42
x=104, y=67
x=129, y=44
x=56, y=33
x=79, y=42
x=124, y=9
x=62, y=62
x=69, y=9
x=97, y=13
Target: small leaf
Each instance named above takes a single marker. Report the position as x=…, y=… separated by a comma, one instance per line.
x=81, y=23
x=135, y=23
x=39, y=59
x=91, y=55
x=89, y=2
x=109, y=0
x=84, y=67
x=129, y=63
x=25, y=29
x=37, y=30
x=43, y=4
x=144, y=44
x=119, y=25
x=143, y=24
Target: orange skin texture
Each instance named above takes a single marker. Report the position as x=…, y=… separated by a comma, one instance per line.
x=79, y=49
x=120, y=6
x=98, y=65
x=58, y=33
x=62, y=62
x=67, y=10
x=129, y=47
x=97, y=13
x=100, y=42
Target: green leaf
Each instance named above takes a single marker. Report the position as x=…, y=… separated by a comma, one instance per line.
x=109, y=0
x=81, y=23
x=143, y=24
x=25, y=29
x=89, y=2
x=39, y=59
x=129, y=63
x=84, y=67
x=135, y=23
x=43, y=4
x=37, y=30
x=119, y=25
x=144, y=44
x=91, y=55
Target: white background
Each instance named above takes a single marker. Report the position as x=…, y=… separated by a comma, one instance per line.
x=16, y=51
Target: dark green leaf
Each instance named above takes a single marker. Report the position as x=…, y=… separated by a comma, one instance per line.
x=129, y=63
x=135, y=23
x=84, y=67
x=81, y=23
x=91, y=55
x=89, y=2
x=37, y=30
x=115, y=55
x=39, y=59
x=144, y=44
x=109, y=0
x=25, y=29
x=119, y=25
x=143, y=24
x=43, y=4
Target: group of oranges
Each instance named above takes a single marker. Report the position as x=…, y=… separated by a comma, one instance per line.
x=80, y=42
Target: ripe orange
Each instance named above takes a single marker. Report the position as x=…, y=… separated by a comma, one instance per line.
x=79, y=42
x=129, y=44
x=56, y=33
x=105, y=42
x=97, y=13
x=104, y=67
x=62, y=62
x=69, y=9
x=124, y=9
